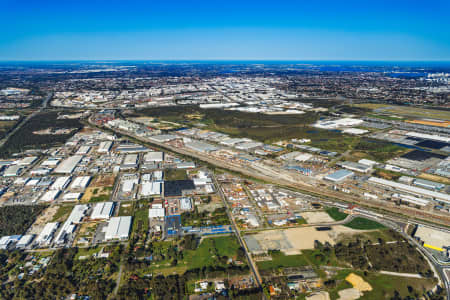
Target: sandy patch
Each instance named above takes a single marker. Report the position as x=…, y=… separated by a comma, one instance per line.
x=45, y=217
x=349, y=294
x=293, y=240
x=319, y=296
x=358, y=283
x=317, y=217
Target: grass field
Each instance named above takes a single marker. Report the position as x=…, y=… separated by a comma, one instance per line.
x=279, y=260
x=209, y=253
x=175, y=174
x=126, y=208
x=364, y=224
x=336, y=214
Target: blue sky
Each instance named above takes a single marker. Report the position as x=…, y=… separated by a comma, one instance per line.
x=227, y=29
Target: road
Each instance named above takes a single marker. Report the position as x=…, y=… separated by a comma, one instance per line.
x=252, y=264
x=285, y=182
x=282, y=178
x=119, y=276
x=41, y=108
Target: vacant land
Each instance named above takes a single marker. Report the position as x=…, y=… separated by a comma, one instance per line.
x=17, y=219
x=97, y=194
x=25, y=139
x=410, y=111
x=253, y=125
x=280, y=260
x=175, y=174
x=317, y=217
x=62, y=213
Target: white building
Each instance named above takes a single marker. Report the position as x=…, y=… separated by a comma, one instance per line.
x=151, y=188
x=68, y=165
x=104, y=147
x=46, y=235
x=102, y=210
x=118, y=228
x=60, y=183
x=80, y=183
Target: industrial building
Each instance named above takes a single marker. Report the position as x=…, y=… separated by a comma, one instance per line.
x=431, y=185
x=80, y=183
x=118, y=228
x=104, y=147
x=411, y=189
x=68, y=165
x=152, y=157
x=75, y=217
x=339, y=175
x=357, y=167
x=60, y=183
x=200, y=146
x=156, y=211
x=46, y=235
x=102, y=211
x=130, y=162
x=151, y=188
x=50, y=195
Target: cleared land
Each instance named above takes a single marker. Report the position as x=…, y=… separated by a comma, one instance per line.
x=317, y=217
x=410, y=111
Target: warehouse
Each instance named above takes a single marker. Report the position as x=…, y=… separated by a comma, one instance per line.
x=200, y=146
x=46, y=235
x=131, y=148
x=83, y=150
x=26, y=161
x=339, y=175
x=69, y=226
x=411, y=189
x=80, y=183
x=51, y=162
x=130, y=162
x=128, y=185
x=24, y=241
x=104, y=147
x=410, y=199
x=349, y=165
x=102, y=211
x=72, y=197
x=429, y=184
x=150, y=189
x=185, y=203
x=118, y=228
x=152, y=157
x=60, y=183
x=156, y=211
x=162, y=138
x=50, y=195
x=68, y=165
x=13, y=170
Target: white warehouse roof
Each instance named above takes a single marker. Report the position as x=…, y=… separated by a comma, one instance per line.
x=411, y=189
x=150, y=188
x=118, y=228
x=80, y=182
x=60, y=183
x=68, y=165
x=102, y=210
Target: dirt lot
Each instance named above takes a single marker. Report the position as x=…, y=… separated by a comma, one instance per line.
x=44, y=218
x=103, y=181
x=349, y=294
x=96, y=192
x=291, y=241
x=317, y=217
x=358, y=283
